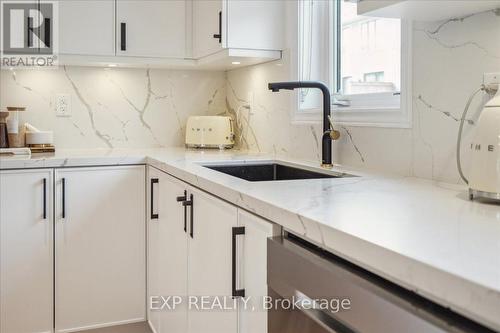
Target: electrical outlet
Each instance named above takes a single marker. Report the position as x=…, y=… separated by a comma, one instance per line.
x=250, y=101
x=63, y=105
x=491, y=78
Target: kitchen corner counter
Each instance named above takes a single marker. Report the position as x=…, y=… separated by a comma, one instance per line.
x=424, y=236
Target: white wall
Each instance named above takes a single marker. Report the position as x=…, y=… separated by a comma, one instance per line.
x=114, y=107
x=449, y=59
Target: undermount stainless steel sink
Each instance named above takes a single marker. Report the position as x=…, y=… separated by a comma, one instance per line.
x=261, y=172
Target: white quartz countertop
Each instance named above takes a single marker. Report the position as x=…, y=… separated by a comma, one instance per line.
x=425, y=236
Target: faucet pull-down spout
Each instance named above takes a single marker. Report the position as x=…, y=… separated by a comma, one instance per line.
x=329, y=133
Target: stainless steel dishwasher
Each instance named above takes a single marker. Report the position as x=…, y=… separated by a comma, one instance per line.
x=306, y=285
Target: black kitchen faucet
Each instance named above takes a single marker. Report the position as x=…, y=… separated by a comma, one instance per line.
x=329, y=133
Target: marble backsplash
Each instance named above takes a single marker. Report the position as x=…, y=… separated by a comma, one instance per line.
x=114, y=107
x=449, y=59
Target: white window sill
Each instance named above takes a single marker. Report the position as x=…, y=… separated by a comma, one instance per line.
x=392, y=117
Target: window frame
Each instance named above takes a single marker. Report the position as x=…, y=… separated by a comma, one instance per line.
x=372, y=110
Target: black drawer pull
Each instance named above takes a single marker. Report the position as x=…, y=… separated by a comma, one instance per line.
x=44, y=198
x=219, y=35
x=190, y=204
x=153, y=181
x=29, y=30
x=63, y=198
x=183, y=199
x=47, y=40
x=123, y=36
x=236, y=292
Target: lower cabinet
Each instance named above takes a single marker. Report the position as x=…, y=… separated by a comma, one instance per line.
x=73, y=253
x=253, y=276
x=100, y=269
x=210, y=262
x=167, y=250
x=72, y=240
x=26, y=251
x=201, y=246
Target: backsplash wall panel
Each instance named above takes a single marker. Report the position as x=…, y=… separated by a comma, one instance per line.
x=114, y=107
x=148, y=108
x=449, y=59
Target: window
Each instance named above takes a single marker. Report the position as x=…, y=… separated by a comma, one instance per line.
x=370, y=52
x=374, y=77
x=366, y=63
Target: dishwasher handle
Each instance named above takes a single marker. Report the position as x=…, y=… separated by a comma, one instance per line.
x=329, y=323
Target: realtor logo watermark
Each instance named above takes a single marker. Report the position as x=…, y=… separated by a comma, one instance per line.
x=252, y=304
x=29, y=34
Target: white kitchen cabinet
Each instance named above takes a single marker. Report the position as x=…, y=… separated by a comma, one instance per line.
x=207, y=22
x=197, y=244
x=26, y=251
x=100, y=269
x=424, y=10
x=210, y=261
x=253, y=276
x=252, y=26
x=214, y=35
x=189, y=253
x=167, y=252
x=153, y=239
x=151, y=28
x=87, y=27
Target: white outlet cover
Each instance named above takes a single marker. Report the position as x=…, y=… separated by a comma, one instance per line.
x=63, y=105
x=250, y=101
x=491, y=78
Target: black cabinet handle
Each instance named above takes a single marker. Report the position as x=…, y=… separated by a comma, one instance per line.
x=183, y=199
x=44, y=198
x=219, y=35
x=190, y=204
x=47, y=40
x=123, y=36
x=29, y=36
x=63, y=197
x=153, y=181
x=236, y=292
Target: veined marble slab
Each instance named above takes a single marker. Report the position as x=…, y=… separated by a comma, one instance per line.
x=425, y=236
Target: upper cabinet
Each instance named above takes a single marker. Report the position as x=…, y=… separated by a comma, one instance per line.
x=244, y=31
x=208, y=27
x=151, y=28
x=424, y=10
x=215, y=34
x=77, y=36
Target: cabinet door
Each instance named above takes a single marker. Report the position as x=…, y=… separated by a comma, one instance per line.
x=168, y=253
x=151, y=28
x=26, y=251
x=209, y=261
x=253, y=276
x=258, y=25
x=100, y=273
x=206, y=16
x=153, y=240
x=87, y=27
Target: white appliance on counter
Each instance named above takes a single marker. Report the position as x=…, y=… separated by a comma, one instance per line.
x=485, y=173
x=209, y=132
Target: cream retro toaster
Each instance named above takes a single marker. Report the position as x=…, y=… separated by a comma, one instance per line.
x=209, y=132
